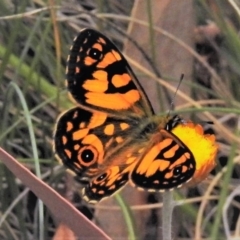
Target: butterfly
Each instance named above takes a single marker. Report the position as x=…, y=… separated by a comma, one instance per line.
x=112, y=136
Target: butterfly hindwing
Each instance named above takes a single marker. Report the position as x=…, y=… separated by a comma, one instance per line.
x=166, y=164
x=106, y=184
x=99, y=77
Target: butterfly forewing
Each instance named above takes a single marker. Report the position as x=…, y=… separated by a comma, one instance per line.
x=83, y=139
x=99, y=77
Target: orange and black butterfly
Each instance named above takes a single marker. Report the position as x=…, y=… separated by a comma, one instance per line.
x=112, y=136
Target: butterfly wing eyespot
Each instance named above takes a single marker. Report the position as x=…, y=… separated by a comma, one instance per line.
x=99, y=77
x=177, y=171
x=165, y=165
x=101, y=177
x=88, y=155
x=95, y=54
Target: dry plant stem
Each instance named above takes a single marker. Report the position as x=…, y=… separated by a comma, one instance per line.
x=167, y=211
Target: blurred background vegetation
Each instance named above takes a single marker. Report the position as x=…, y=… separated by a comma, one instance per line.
x=161, y=40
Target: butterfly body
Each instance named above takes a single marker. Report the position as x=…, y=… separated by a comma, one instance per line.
x=112, y=135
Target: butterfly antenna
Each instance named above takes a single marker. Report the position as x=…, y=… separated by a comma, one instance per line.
x=206, y=122
x=174, y=96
